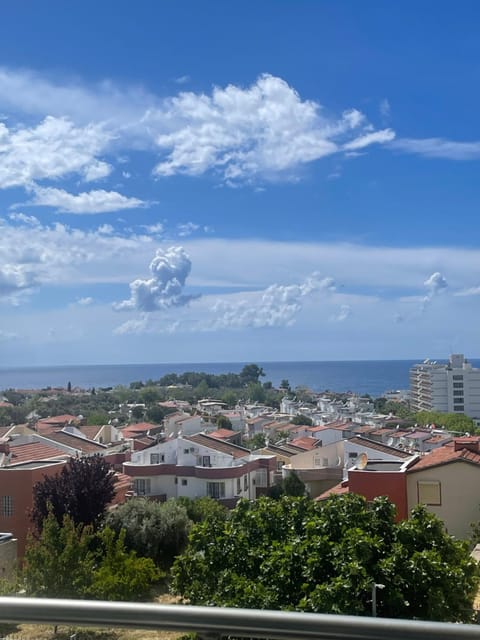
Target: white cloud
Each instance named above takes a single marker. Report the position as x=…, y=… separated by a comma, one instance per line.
x=385, y=109
x=276, y=306
x=7, y=335
x=438, y=148
x=265, y=130
x=344, y=312
x=187, y=229
x=97, y=170
x=24, y=219
x=87, y=202
x=170, y=269
x=471, y=291
x=435, y=284
x=156, y=229
x=85, y=302
x=183, y=79
x=55, y=148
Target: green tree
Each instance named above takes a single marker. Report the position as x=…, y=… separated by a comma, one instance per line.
x=299, y=554
x=201, y=509
x=59, y=563
x=155, y=414
x=138, y=412
x=293, y=486
x=257, y=441
x=302, y=420
x=251, y=373
x=97, y=417
x=255, y=392
x=285, y=385
x=83, y=489
x=452, y=421
x=153, y=529
x=223, y=422
x=120, y=573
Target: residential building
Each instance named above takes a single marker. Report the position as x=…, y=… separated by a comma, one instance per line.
x=453, y=387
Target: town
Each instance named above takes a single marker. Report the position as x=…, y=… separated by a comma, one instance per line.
x=235, y=448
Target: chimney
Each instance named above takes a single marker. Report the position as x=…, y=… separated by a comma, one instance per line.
x=469, y=443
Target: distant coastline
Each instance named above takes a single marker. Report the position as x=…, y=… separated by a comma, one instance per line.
x=371, y=376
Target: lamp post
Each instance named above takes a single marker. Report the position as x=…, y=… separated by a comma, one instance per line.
x=375, y=586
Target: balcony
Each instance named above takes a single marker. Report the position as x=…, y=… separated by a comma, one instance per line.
x=213, y=622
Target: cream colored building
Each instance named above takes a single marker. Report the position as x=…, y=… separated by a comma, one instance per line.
x=447, y=481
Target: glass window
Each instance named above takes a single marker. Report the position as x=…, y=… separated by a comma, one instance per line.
x=7, y=506
x=142, y=486
x=184, y=482
x=156, y=458
x=260, y=478
x=216, y=489
x=429, y=493
x=458, y=385
x=239, y=485
x=458, y=377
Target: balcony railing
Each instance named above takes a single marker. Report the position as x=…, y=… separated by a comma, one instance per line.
x=215, y=622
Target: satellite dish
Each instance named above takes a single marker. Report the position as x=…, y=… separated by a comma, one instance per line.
x=362, y=461
x=390, y=442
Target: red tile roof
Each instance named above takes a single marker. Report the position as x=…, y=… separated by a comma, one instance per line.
x=223, y=434
x=445, y=455
x=33, y=451
x=89, y=431
x=63, y=419
x=82, y=444
x=135, y=429
x=338, y=489
x=306, y=443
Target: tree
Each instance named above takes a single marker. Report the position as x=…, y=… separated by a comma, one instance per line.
x=83, y=489
x=138, y=412
x=203, y=509
x=298, y=554
x=223, y=422
x=69, y=387
x=156, y=414
x=302, y=420
x=97, y=417
x=153, y=529
x=293, y=486
x=255, y=392
x=251, y=373
x=120, y=574
x=59, y=563
x=285, y=385
x=72, y=561
x=257, y=441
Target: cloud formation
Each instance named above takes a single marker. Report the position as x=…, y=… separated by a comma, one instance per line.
x=438, y=148
x=264, y=130
x=436, y=284
x=170, y=269
x=86, y=202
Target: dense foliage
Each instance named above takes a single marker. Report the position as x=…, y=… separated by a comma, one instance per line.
x=83, y=489
x=298, y=554
x=72, y=561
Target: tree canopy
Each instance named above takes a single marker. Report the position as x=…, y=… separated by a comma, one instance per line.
x=298, y=554
x=83, y=489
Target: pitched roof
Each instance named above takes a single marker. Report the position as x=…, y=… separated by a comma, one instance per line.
x=338, y=489
x=90, y=431
x=65, y=418
x=82, y=444
x=139, y=428
x=445, y=455
x=223, y=434
x=33, y=451
x=219, y=445
x=306, y=443
x=378, y=446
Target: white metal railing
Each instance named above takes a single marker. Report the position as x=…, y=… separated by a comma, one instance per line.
x=216, y=622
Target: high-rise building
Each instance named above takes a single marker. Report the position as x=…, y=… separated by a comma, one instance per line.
x=452, y=387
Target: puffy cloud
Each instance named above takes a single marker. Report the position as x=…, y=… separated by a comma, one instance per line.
x=276, y=306
x=170, y=269
x=435, y=284
x=187, y=229
x=87, y=202
x=24, y=219
x=265, y=130
x=53, y=149
x=85, y=302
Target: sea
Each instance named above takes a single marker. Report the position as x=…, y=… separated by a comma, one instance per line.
x=371, y=376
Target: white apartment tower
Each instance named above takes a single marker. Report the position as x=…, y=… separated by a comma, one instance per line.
x=451, y=388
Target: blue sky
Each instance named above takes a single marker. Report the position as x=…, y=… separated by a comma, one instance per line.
x=213, y=181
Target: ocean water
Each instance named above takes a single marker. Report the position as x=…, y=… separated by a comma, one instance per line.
x=372, y=376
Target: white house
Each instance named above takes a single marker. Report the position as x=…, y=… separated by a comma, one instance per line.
x=199, y=465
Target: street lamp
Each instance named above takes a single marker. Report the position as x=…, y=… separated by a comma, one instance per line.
x=375, y=586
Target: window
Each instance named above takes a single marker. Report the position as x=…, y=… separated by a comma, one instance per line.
x=156, y=458
x=176, y=480
x=458, y=385
x=261, y=478
x=6, y=506
x=458, y=392
x=206, y=461
x=239, y=486
x=458, y=377
x=429, y=493
x=142, y=486
x=186, y=451
x=352, y=455
x=216, y=489
x=245, y=483
x=325, y=462
x=458, y=407
x=184, y=482
x=279, y=465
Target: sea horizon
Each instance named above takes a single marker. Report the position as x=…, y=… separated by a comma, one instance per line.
x=358, y=376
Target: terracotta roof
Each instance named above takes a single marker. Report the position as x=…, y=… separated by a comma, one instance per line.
x=90, y=431
x=140, y=428
x=219, y=445
x=223, y=434
x=363, y=428
x=378, y=446
x=5, y=404
x=306, y=443
x=65, y=418
x=383, y=431
x=82, y=444
x=445, y=455
x=33, y=451
x=4, y=431
x=338, y=489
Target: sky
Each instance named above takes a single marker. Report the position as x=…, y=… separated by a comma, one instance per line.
x=208, y=181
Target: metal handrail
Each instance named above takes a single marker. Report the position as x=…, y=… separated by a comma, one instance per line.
x=217, y=621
